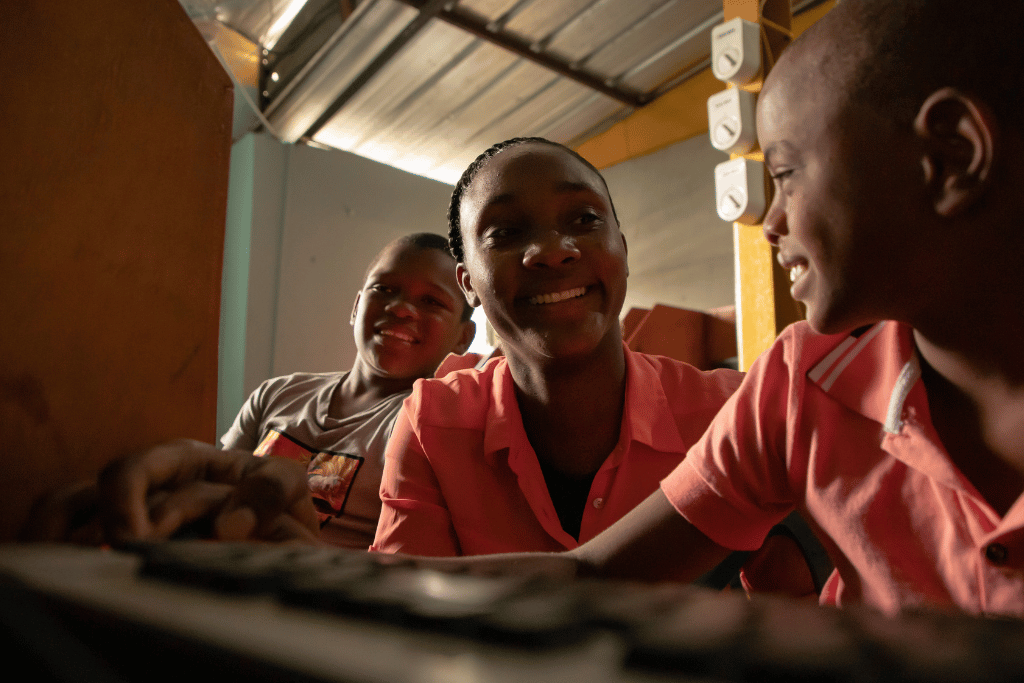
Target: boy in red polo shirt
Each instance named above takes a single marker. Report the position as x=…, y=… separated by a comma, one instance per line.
x=892, y=417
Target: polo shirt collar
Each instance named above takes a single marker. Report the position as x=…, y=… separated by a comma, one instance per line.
x=872, y=372
x=877, y=373
x=505, y=437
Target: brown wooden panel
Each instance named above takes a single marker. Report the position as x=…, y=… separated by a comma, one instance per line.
x=113, y=190
x=698, y=338
x=633, y=319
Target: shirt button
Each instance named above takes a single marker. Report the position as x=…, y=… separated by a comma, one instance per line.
x=599, y=503
x=996, y=553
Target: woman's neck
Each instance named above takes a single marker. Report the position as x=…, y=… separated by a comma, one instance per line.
x=572, y=408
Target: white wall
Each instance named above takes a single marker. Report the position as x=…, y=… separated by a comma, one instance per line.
x=319, y=217
x=680, y=251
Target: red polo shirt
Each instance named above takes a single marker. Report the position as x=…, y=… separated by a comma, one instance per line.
x=839, y=428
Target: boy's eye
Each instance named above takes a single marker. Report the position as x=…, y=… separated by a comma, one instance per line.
x=431, y=301
x=779, y=176
x=588, y=218
x=383, y=289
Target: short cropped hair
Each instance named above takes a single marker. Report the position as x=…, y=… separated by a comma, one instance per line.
x=455, y=243
x=426, y=240
x=430, y=240
x=908, y=49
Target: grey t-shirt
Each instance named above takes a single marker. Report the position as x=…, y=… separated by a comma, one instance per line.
x=287, y=417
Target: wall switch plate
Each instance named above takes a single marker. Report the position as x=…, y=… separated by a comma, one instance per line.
x=739, y=191
x=732, y=120
x=736, y=51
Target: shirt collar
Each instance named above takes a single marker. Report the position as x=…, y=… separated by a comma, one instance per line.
x=503, y=410
x=878, y=374
x=872, y=372
x=647, y=416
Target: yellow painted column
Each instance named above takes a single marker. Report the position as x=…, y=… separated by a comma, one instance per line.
x=763, y=304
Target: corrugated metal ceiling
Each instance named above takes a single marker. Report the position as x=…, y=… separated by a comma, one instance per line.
x=426, y=85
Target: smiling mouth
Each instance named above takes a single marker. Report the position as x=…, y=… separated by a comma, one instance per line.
x=555, y=297
x=398, y=334
x=796, y=266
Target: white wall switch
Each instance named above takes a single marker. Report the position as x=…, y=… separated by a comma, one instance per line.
x=731, y=120
x=736, y=51
x=739, y=191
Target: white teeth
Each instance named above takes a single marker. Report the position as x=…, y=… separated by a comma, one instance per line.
x=557, y=296
x=397, y=335
x=796, y=272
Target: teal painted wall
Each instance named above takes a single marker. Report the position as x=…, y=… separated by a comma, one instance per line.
x=235, y=283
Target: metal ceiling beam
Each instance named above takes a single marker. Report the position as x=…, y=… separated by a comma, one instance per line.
x=524, y=49
x=427, y=11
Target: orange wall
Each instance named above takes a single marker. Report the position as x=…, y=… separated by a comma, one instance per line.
x=117, y=133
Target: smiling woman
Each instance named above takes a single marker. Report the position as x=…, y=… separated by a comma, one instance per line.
x=545, y=448
x=544, y=256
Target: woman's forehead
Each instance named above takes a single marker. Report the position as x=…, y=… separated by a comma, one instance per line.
x=524, y=166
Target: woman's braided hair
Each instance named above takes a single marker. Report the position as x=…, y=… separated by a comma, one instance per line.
x=455, y=243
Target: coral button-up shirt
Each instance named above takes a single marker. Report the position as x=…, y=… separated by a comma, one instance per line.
x=461, y=478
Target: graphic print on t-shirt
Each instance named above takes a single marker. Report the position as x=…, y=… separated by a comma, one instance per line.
x=330, y=474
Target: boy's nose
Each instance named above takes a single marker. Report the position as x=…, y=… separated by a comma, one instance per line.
x=550, y=250
x=774, y=225
x=401, y=307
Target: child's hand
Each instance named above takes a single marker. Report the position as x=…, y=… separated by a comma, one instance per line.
x=156, y=494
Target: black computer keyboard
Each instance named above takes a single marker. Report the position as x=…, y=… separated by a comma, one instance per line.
x=259, y=612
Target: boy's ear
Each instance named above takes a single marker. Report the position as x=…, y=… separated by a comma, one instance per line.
x=959, y=135
x=466, y=285
x=355, y=307
x=466, y=337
